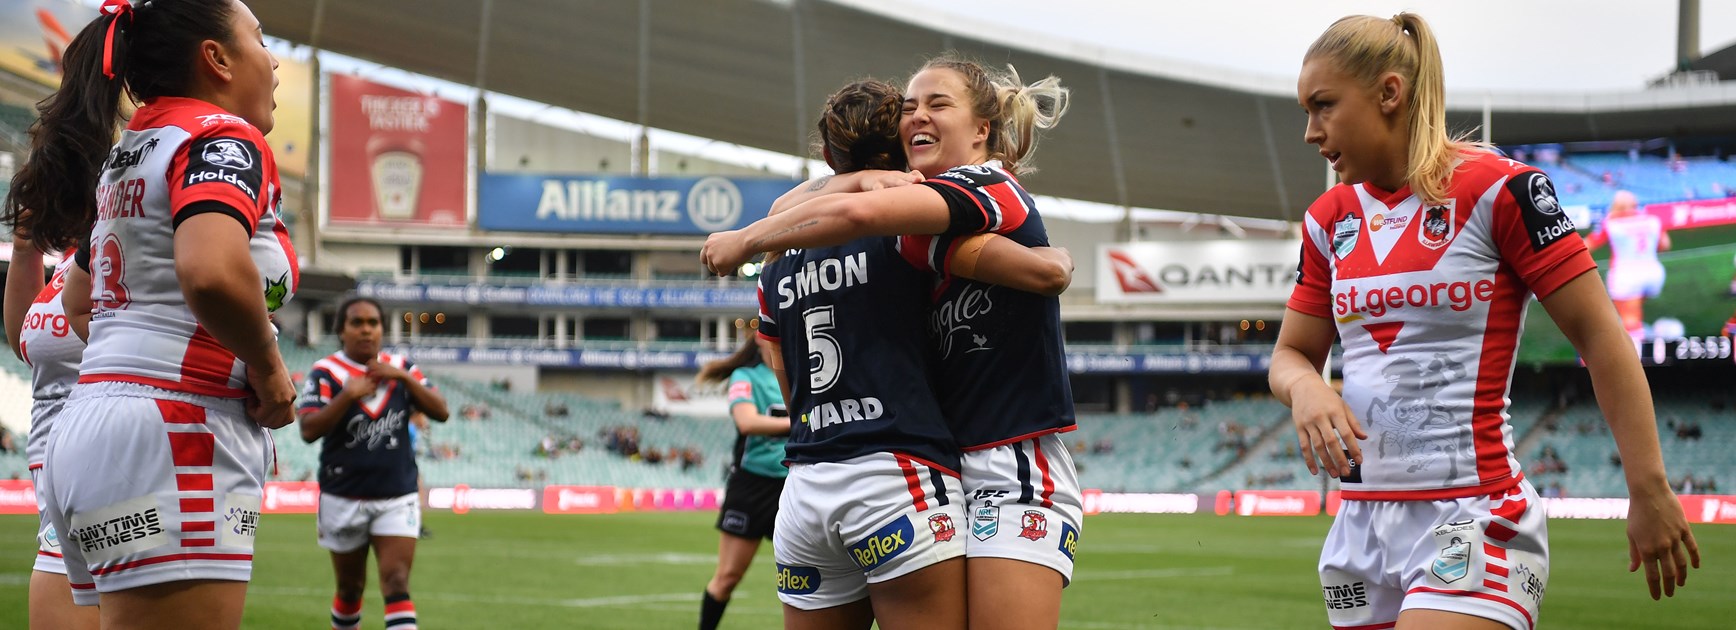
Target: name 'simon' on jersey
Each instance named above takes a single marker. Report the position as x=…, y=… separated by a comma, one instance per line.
x=830, y=274
x=1460, y=296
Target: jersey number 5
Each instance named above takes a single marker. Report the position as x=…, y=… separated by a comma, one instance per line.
x=823, y=352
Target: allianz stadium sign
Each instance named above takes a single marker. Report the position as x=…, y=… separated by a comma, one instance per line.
x=1197, y=272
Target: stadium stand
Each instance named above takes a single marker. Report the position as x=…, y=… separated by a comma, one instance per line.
x=1576, y=456
x=1589, y=179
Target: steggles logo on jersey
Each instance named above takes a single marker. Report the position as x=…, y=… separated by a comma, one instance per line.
x=948, y=322
x=376, y=433
x=1438, y=224
x=1344, y=235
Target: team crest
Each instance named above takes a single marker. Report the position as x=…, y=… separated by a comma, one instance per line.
x=941, y=525
x=1034, y=525
x=1344, y=235
x=1437, y=229
x=1454, y=562
x=985, y=522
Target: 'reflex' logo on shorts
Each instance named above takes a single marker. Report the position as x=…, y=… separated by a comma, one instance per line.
x=795, y=580
x=1069, y=540
x=1460, y=296
x=884, y=544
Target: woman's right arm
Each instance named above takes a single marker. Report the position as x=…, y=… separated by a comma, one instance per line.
x=749, y=421
x=998, y=260
x=23, y=282
x=222, y=288
x=831, y=220
x=1326, y=428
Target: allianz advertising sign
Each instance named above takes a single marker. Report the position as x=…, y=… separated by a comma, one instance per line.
x=1249, y=271
x=579, y=204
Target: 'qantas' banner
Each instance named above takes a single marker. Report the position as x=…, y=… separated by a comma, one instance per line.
x=1239, y=271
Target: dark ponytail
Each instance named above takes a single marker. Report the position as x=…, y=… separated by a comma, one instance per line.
x=52, y=203
x=718, y=371
x=859, y=128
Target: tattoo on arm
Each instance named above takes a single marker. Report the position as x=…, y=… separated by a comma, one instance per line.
x=758, y=244
x=820, y=183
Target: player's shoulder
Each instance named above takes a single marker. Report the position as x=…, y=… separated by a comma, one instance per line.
x=1329, y=204
x=198, y=118
x=977, y=175
x=1481, y=169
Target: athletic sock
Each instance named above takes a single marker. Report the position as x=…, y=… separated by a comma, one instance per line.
x=346, y=615
x=400, y=612
x=710, y=611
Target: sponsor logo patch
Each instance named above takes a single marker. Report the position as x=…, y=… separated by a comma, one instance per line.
x=1345, y=596
x=1069, y=540
x=1033, y=525
x=1344, y=235
x=240, y=524
x=1438, y=222
x=884, y=544
x=794, y=580
x=1545, y=223
x=231, y=161
x=985, y=522
x=1454, y=562
x=734, y=522
x=114, y=532
x=941, y=526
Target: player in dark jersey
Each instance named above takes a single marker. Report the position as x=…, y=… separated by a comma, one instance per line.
x=1419, y=541
x=359, y=402
x=869, y=449
x=1001, y=374
x=182, y=434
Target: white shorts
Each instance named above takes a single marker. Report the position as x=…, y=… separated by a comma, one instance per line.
x=48, y=556
x=1024, y=503
x=1635, y=280
x=148, y=486
x=1485, y=556
x=866, y=520
x=347, y=524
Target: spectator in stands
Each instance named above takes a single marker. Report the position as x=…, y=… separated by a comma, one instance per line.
x=6, y=441
x=1373, y=90
x=556, y=409
x=756, y=477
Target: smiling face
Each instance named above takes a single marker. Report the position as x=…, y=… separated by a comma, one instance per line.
x=1357, y=127
x=939, y=128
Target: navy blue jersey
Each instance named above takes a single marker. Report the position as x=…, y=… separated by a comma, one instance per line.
x=850, y=319
x=368, y=453
x=1001, y=370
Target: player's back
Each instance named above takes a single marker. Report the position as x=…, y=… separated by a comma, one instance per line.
x=851, y=322
x=1633, y=238
x=178, y=157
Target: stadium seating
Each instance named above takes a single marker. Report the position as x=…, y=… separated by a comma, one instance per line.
x=1590, y=179
x=1146, y=452
x=1581, y=441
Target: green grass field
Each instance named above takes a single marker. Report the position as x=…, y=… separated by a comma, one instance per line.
x=527, y=570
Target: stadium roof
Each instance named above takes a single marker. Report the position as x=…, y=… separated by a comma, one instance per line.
x=752, y=72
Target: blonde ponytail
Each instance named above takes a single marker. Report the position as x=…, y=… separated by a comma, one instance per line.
x=1365, y=47
x=1015, y=111
x=1025, y=109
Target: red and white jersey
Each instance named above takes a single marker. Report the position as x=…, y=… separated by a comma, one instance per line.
x=1430, y=303
x=52, y=350
x=178, y=158
x=1632, y=239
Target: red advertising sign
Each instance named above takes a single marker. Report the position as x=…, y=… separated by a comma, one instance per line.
x=291, y=497
x=397, y=157
x=579, y=499
x=17, y=497
x=1277, y=503
x=1678, y=215
x=462, y=499
x=1710, y=508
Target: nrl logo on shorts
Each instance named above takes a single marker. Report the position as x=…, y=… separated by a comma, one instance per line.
x=1344, y=235
x=1454, y=563
x=1437, y=228
x=1035, y=526
x=941, y=525
x=985, y=522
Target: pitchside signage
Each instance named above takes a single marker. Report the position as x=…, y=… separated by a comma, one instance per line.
x=1238, y=271
x=580, y=204
x=609, y=359
x=566, y=295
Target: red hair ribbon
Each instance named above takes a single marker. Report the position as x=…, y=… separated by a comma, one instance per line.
x=118, y=9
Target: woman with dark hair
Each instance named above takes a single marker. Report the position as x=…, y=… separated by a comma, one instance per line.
x=756, y=477
x=41, y=335
x=182, y=380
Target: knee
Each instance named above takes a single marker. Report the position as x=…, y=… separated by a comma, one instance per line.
x=724, y=583
x=350, y=591
x=395, y=580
